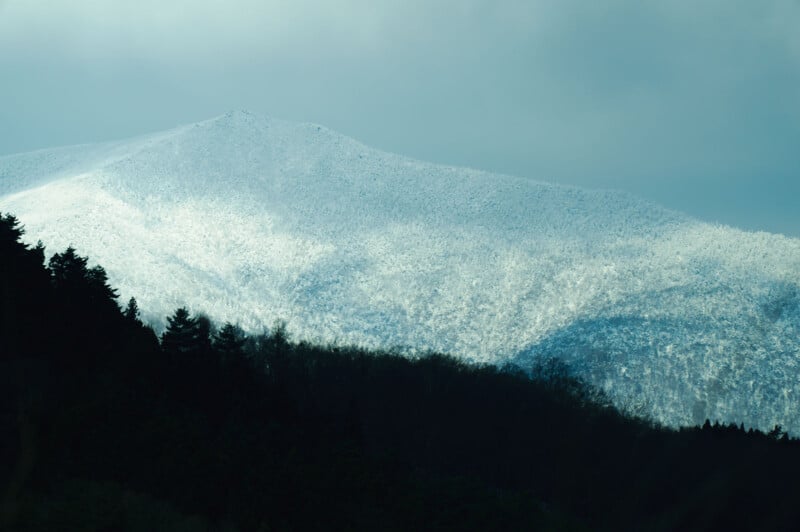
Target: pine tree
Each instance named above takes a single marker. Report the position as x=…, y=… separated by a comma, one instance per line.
x=132, y=311
x=229, y=342
x=205, y=329
x=10, y=233
x=68, y=269
x=183, y=334
x=82, y=287
x=97, y=281
x=24, y=288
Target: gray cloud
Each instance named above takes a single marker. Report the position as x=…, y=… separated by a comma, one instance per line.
x=694, y=105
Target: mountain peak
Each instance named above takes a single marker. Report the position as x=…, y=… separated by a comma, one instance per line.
x=239, y=118
x=251, y=219
x=238, y=115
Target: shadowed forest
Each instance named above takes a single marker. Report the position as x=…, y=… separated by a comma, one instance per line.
x=106, y=426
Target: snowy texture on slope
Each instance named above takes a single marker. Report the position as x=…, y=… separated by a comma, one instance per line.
x=253, y=220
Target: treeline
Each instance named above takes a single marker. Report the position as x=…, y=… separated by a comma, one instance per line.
x=105, y=426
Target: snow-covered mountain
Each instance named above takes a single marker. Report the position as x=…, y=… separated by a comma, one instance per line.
x=253, y=220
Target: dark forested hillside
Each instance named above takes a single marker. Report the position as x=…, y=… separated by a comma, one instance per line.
x=104, y=426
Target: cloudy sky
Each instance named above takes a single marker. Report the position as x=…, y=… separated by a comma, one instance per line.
x=693, y=104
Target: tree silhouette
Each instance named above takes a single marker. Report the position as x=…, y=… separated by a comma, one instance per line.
x=204, y=329
x=229, y=342
x=24, y=291
x=131, y=311
x=85, y=286
x=68, y=269
x=182, y=335
x=10, y=233
x=97, y=281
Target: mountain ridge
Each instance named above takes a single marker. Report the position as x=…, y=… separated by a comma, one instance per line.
x=258, y=219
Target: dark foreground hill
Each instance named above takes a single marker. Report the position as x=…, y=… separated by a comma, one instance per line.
x=103, y=427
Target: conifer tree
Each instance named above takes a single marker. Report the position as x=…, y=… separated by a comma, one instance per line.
x=97, y=281
x=204, y=330
x=68, y=269
x=229, y=342
x=132, y=311
x=183, y=334
x=23, y=288
x=80, y=286
x=10, y=233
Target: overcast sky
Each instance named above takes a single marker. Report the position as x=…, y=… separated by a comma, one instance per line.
x=694, y=104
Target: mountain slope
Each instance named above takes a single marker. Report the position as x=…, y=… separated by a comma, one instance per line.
x=255, y=219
